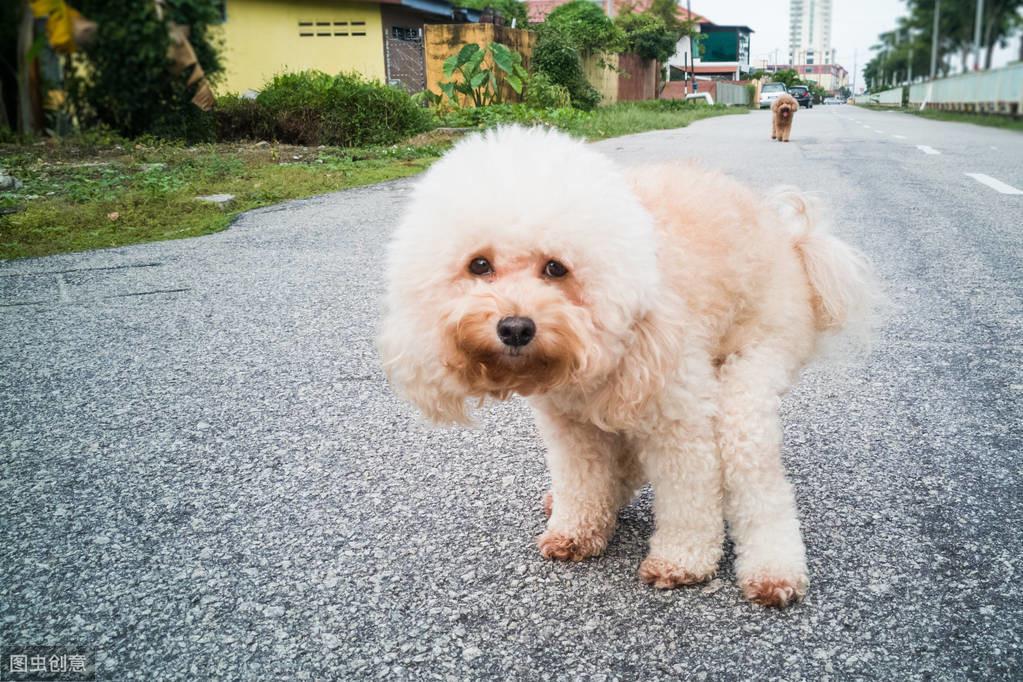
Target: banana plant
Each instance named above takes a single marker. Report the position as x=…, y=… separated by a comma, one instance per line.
x=478, y=82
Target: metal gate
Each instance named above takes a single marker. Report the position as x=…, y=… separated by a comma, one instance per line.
x=405, y=62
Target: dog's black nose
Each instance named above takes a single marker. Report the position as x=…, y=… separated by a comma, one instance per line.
x=516, y=331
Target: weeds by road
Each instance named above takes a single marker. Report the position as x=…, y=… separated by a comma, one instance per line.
x=91, y=193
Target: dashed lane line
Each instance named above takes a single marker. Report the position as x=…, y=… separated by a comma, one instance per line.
x=996, y=185
x=927, y=150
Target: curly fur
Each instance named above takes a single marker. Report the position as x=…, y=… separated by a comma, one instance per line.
x=783, y=112
x=659, y=357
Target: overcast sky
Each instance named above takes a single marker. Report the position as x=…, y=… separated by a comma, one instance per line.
x=855, y=25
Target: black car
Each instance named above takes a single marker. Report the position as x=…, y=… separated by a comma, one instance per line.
x=802, y=95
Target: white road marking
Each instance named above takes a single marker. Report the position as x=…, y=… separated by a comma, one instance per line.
x=996, y=185
x=879, y=132
x=927, y=150
x=901, y=137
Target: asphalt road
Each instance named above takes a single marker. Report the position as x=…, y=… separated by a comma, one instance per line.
x=204, y=474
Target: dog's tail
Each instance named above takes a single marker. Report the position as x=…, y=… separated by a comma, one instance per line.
x=847, y=296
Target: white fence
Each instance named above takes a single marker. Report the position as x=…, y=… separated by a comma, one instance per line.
x=730, y=93
x=890, y=98
x=997, y=90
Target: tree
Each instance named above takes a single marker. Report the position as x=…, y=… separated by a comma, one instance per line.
x=647, y=36
x=787, y=76
x=509, y=9
x=906, y=49
x=123, y=78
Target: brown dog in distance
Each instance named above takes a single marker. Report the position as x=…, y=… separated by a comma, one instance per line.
x=783, y=110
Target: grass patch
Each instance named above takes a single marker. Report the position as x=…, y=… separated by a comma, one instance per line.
x=95, y=192
x=75, y=198
x=990, y=120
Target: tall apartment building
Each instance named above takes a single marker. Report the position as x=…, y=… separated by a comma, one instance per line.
x=810, y=32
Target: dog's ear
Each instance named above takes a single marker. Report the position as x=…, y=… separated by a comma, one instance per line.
x=417, y=371
x=654, y=352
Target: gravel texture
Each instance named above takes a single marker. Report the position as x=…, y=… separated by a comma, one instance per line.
x=204, y=474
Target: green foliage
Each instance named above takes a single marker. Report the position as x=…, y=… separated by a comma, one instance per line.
x=314, y=108
x=648, y=36
x=509, y=9
x=557, y=57
x=122, y=78
x=789, y=77
x=482, y=84
x=587, y=27
x=543, y=93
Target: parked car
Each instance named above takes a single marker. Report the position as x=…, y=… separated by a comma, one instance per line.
x=832, y=100
x=770, y=92
x=802, y=95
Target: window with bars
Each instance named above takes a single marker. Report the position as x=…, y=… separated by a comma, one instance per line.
x=405, y=33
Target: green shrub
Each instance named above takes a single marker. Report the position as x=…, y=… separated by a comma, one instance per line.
x=239, y=118
x=122, y=79
x=587, y=27
x=543, y=93
x=557, y=57
x=346, y=110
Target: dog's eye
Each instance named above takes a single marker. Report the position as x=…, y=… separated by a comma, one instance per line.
x=555, y=269
x=480, y=266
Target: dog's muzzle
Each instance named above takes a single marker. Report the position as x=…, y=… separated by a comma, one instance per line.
x=516, y=332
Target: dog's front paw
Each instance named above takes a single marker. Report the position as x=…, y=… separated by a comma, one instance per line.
x=773, y=590
x=548, y=504
x=667, y=575
x=564, y=547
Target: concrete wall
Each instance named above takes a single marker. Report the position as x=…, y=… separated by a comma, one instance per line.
x=440, y=41
x=995, y=91
x=600, y=76
x=263, y=38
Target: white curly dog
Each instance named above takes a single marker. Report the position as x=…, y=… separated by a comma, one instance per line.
x=652, y=316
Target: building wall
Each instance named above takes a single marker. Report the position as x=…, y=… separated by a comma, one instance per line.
x=810, y=32
x=264, y=38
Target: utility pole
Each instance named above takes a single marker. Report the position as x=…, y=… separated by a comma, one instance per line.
x=976, y=34
x=692, y=58
x=934, y=39
x=856, y=68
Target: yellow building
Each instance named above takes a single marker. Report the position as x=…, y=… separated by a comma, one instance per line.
x=382, y=39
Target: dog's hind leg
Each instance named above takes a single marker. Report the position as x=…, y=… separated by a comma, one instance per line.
x=759, y=503
x=586, y=490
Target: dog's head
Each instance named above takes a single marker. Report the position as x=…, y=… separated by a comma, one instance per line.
x=520, y=266
x=785, y=106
